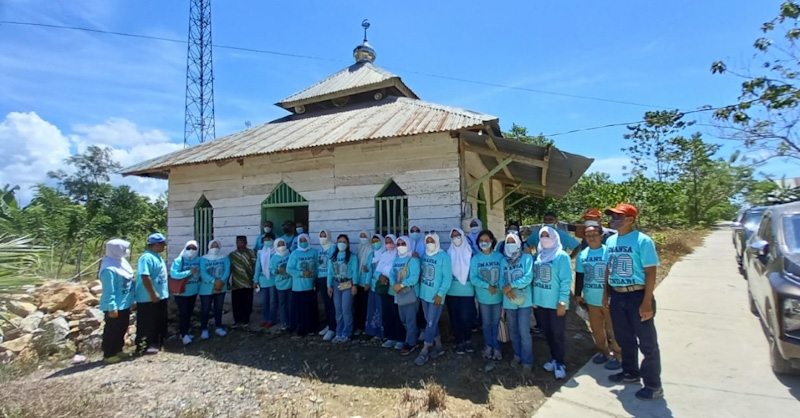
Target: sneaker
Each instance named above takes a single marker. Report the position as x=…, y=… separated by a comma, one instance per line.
x=623, y=377
x=487, y=353
x=328, y=336
x=408, y=349
x=112, y=360
x=151, y=351
x=388, y=344
x=399, y=345
x=78, y=359
x=613, y=364
x=336, y=340
x=344, y=340
x=204, y=334
x=187, y=339
x=560, y=372
x=460, y=349
x=422, y=358
x=324, y=331
x=497, y=355
x=599, y=358
x=220, y=332
x=650, y=394
x=468, y=348
x=437, y=352
x=550, y=366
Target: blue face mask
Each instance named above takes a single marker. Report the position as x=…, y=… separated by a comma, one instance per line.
x=341, y=246
x=300, y=230
x=485, y=245
x=511, y=248
x=376, y=245
x=303, y=244
x=267, y=244
x=416, y=235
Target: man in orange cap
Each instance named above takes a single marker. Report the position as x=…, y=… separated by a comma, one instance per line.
x=630, y=282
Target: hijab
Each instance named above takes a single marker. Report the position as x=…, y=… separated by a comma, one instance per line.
x=377, y=256
x=387, y=257
x=407, y=240
x=472, y=237
x=330, y=239
x=275, y=246
x=416, y=245
x=435, y=237
x=514, y=257
x=460, y=257
x=183, y=251
x=363, y=250
x=548, y=254
x=219, y=255
x=264, y=255
x=297, y=239
x=114, y=260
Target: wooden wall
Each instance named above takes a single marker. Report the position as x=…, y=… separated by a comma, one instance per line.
x=492, y=189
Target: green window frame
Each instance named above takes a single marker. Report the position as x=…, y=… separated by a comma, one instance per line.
x=203, y=224
x=391, y=210
x=279, y=204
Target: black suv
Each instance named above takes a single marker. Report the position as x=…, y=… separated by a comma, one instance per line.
x=772, y=261
x=744, y=225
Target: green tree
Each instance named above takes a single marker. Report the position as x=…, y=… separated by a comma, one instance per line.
x=652, y=143
x=520, y=133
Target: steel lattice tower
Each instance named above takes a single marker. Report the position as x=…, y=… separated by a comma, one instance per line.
x=199, y=120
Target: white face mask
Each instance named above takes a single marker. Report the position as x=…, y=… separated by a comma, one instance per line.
x=282, y=250
x=511, y=248
x=323, y=240
x=213, y=251
x=402, y=250
x=341, y=246
x=457, y=241
x=191, y=253
x=363, y=240
x=474, y=229
x=547, y=242
x=267, y=229
x=430, y=247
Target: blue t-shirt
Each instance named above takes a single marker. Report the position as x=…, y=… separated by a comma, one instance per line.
x=435, y=276
x=182, y=269
x=484, y=271
x=300, y=262
x=552, y=281
x=519, y=276
x=341, y=270
x=117, y=291
x=628, y=255
x=279, y=262
x=212, y=271
x=412, y=274
x=152, y=265
x=592, y=263
x=323, y=257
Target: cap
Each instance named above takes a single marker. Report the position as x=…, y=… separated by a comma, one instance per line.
x=156, y=238
x=592, y=213
x=623, y=209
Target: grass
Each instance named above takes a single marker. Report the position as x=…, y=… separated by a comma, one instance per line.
x=673, y=244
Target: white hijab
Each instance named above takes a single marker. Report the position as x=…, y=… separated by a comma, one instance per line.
x=114, y=260
x=183, y=251
x=219, y=255
x=513, y=257
x=363, y=250
x=416, y=245
x=438, y=248
x=275, y=246
x=548, y=254
x=264, y=255
x=308, y=240
x=328, y=235
x=460, y=257
x=386, y=261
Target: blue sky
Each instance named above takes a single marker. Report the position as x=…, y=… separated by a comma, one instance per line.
x=61, y=91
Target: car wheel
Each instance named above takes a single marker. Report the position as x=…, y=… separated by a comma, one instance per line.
x=752, y=303
x=779, y=364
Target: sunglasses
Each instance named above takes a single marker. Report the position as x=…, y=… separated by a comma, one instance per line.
x=430, y=232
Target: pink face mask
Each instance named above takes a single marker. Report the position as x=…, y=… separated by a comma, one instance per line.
x=548, y=242
x=390, y=247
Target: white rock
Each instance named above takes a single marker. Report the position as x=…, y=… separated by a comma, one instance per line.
x=20, y=308
x=32, y=321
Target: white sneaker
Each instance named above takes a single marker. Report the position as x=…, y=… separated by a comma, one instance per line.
x=550, y=365
x=497, y=355
x=324, y=331
x=560, y=371
x=204, y=334
x=220, y=332
x=336, y=340
x=151, y=350
x=388, y=344
x=399, y=345
x=187, y=339
x=328, y=336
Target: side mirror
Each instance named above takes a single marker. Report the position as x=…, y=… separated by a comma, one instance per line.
x=736, y=226
x=760, y=248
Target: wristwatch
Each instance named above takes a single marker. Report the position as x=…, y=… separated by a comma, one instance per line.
x=562, y=303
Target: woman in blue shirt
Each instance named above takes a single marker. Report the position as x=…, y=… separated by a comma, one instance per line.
x=461, y=295
x=265, y=282
x=360, y=300
x=552, y=283
x=116, y=276
x=186, y=267
x=435, y=278
x=517, y=275
x=374, y=325
x=484, y=274
x=342, y=273
x=302, y=266
x=403, y=281
x=283, y=282
x=393, y=330
x=215, y=270
x=324, y=254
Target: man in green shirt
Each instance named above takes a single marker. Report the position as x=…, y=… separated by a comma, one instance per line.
x=243, y=263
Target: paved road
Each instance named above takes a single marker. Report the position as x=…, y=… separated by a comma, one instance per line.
x=714, y=355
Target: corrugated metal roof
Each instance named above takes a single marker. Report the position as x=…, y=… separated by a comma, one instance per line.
x=390, y=117
x=357, y=76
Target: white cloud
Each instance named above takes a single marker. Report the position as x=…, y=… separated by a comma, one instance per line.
x=31, y=146
x=613, y=166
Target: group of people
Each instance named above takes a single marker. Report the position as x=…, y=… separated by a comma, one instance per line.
x=394, y=289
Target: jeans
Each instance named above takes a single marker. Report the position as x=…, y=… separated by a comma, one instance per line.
x=462, y=316
x=519, y=329
x=269, y=310
x=185, y=310
x=321, y=284
x=628, y=328
x=432, y=314
x=242, y=305
x=374, y=326
x=284, y=307
x=553, y=327
x=343, y=302
x=206, y=302
x=408, y=317
x=490, y=319
x=151, y=324
x=603, y=333
x=392, y=328
x=114, y=333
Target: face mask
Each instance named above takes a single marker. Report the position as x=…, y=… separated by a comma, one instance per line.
x=267, y=244
x=402, y=250
x=282, y=250
x=457, y=241
x=390, y=247
x=512, y=247
x=416, y=235
x=485, y=245
x=341, y=246
x=267, y=229
x=303, y=244
x=474, y=229
x=430, y=247
x=363, y=240
x=547, y=242
x=300, y=230
x=376, y=245
x=191, y=253
x=616, y=223
x=213, y=251
x=323, y=240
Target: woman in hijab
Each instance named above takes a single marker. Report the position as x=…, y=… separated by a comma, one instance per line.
x=552, y=283
x=342, y=274
x=392, y=328
x=461, y=295
x=215, y=270
x=324, y=254
x=265, y=282
x=302, y=266
x=116, y=276
x=484, y=273
x=186, y=267
x=283, y=281
x=374, y=325
x=475, y=228
x=435, y=278
x=364, y=255
x=417, y=244
x=517, y=274
x=403, y=284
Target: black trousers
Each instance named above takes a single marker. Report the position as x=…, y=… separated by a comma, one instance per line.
x=392, y=326
x=360, y=309
x=242, y=305
x=114, y=333
x=304, y=312
x=462, y=317
x=185, y=310
x=553, y=327
x=151, y=324
x=633, y=336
